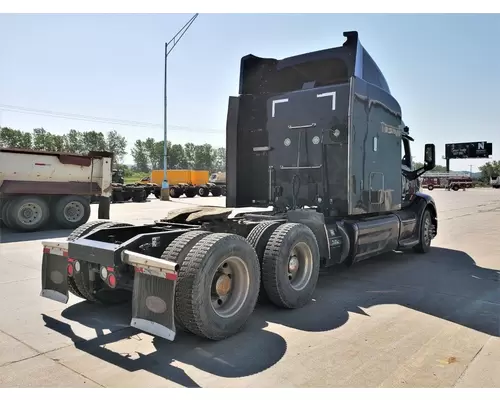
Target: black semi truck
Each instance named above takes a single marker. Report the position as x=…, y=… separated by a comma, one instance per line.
x=317, y=145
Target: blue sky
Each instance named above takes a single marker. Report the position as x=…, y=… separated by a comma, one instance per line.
x=443, y=69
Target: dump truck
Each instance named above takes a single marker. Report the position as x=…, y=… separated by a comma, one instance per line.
x=314, y=180
x=38, y=188
x=188, y=182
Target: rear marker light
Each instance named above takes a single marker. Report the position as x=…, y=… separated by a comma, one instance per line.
x=112, y=281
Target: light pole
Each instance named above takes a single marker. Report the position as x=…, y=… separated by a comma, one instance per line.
x=173, y=42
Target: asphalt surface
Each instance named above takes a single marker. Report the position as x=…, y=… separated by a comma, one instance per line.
x=400, y=320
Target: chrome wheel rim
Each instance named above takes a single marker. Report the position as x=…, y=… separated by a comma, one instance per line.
x=300, y=266
x=230, y=286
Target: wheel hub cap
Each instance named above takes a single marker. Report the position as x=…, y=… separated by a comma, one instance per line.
x=30, y=213
x=293, y=264
x=223, y=285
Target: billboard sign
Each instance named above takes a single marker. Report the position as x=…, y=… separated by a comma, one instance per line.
x=468, y=150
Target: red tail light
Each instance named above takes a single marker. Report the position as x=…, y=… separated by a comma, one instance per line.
x=112, y=281
x=70, y=269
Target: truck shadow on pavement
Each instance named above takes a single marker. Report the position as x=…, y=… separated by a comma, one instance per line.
x=9, y=236
x=445, y=284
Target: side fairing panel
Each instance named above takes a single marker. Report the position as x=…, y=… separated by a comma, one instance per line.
x=375, y=150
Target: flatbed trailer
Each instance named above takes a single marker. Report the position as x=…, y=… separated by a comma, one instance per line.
x=323, y=196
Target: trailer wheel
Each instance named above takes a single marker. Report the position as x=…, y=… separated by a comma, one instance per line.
x=190, y=191
x=95, y=291
x=203, y=191
x=6, y=214
x=425, y=234
x=117, y=194
x=216, y=191
x=71, y=212
x=290, y=268
x=28, y=213
x=174, y=192
x=258, y=238
x=217, y=286
x=77, y=234
x=176, y=252
x=430, y=187
x=455, y=188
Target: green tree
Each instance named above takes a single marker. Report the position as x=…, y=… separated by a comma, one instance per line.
x=15, y=138
x=189, y=150
x=203, y=157
x=490, y=169
x=93, y=141
x=140, y=156
x=219, y=157
x=117, y=144
x=73, y=142
x=176, y=157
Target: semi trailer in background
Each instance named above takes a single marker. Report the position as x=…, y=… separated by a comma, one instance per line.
x=188, y=182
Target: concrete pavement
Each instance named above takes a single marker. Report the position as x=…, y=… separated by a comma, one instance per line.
x=400, y=320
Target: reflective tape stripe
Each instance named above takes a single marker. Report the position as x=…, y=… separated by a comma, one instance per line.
x=55, y=251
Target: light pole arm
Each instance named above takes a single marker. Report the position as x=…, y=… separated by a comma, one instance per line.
x=172, y=42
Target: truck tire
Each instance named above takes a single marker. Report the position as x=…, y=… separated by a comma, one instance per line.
x=96, y=294
x=77, y=234
x=224, y=191
x=117, y=194
x=176, y=252
x=216, y=191
x=290, y=268
x=258, y=238
x=138, y=195
x=218, y=311
x=430, y=187
x=175, y=192
x=190, y=191
x=5, y=213
x=28, y=213
x=455, y=187
x=70, y=212
x=203, y=191
x=425, y=234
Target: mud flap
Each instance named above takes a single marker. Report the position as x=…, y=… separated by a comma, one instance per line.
x=154, y=294
x=55, y=271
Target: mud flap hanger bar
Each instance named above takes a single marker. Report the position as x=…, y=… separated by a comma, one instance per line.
x=150, y=265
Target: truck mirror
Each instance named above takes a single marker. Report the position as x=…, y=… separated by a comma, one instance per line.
x=429, y=156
